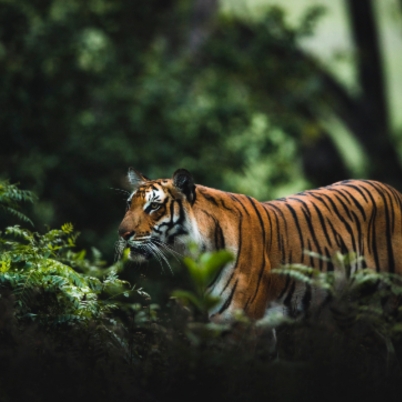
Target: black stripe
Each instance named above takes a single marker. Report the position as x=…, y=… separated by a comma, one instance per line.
x=170, y=223
x=323, y=225
x=345, y=207
x=260, y=274
x=309, y=248
x=175, y=225
x=148, y=209
x=341, y=192
x=225, y=206
x=317, y=197
x=279, y=210
x=371, y=230
x=356, y=203
x=338, y=239
x=299, y=231
x=387, y=192
x=390, y=252
x=397, y=196
x=283, y=248
x=232, y=196
x=219, y=238
x=181, y=213
x=341, y=244
x=247, y=303
x=359, y=231
x=358, y=189
x=307, y=215
x=270, y=226
x=278, y=236
x=193, y=201
x=237, y=257
x=343, y=220
x=209, y=198
x=397, y=199
x=218, y=232
x=229, y=299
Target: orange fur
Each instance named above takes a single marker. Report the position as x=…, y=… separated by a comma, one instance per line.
x=357, y=215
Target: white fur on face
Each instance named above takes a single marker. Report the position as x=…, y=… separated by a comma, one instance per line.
x=154, y=195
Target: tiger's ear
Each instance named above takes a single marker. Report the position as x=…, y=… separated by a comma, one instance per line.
x=184, y=182
x=136, y=178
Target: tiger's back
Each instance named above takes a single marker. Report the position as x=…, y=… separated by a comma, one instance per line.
x=358, y=216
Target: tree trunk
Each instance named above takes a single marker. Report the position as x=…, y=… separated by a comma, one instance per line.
x=367, y=115
x=371, y=123
x=203, y=12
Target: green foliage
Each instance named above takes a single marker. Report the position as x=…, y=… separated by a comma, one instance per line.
x=356, y=294
x=132, y=96
x=53, y=285
x=11, y=197
x=41, y=271
x=203, y=269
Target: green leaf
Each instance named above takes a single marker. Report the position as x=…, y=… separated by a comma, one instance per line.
x=195, y=272
x=203, y=271
x=67, y=228
x=188, y=297
x=211, y=263
x=210, y=302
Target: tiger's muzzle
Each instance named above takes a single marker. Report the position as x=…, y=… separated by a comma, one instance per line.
x=139, y=251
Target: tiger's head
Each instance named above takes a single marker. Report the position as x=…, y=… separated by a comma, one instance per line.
x=158, y=216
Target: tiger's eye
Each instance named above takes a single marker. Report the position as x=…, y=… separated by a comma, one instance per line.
x=155, y=205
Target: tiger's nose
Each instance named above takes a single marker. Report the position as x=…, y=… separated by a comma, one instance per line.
x=126, y=235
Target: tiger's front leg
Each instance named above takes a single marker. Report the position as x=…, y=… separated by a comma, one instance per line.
x=248, y=296
x=243, y=296
x=257, y=339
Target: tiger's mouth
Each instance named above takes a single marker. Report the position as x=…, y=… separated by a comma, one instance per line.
x=140, y=254
x=143, y=251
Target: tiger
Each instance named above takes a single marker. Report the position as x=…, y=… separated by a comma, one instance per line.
x=360, y=216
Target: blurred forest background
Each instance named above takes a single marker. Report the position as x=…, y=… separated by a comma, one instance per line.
x=261, y=97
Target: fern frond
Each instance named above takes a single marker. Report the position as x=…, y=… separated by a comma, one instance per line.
x=18, y=214
x=11, y=197
x=298, y=272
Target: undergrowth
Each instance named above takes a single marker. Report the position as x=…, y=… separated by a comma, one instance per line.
x=71, y=329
